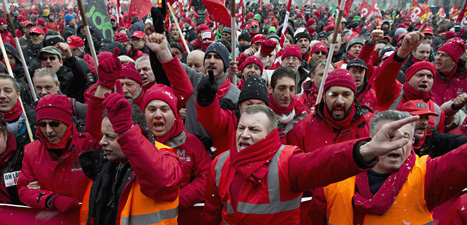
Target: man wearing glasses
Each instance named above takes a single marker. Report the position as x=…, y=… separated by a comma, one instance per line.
x=51, y=176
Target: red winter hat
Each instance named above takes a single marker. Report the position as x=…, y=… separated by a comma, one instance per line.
x=258, y=38
x=129, y=71
x=202, y=27
x=2, y=21
x=319, y=46
x=138, y=34
x=252, y=59
x=332, y=18
x=163, y=93
x=35, y=12
x=450, y=34
x=120, y=37
x=455, y=47
x=54, y=107
x=340, y=77
x=187, y=19
x=299, y=15
x=292, y=50
x=36, y=30
x=271, y=13
x=316, y=13
x=311, y=21
x=74, y=41
x=40, y=21
x=417, y=107
x=112, y=17
x=419, y=66
x=134, y=13
x=250, y=15
x=21, y=18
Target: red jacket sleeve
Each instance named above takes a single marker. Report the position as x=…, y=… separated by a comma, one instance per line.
x=306, y=169
x=179, y=81
x=214, y=119
x=365, y=53
x=158, y=171
x=94, y=116
x=193, y=192
x=212, y=211
x=446, y=176
x=386, y=85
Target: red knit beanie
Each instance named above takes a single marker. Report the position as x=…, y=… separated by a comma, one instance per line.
x=252, y=59
x=258, y=38
x=129, y=71
x=54, y=107
x=419, y=66
x=454, y=48
x=163, y=93
x=341, y=77
x=450, y=34
x=292, y=50
x=120, y=37
x=310, y=21
x=319, y=46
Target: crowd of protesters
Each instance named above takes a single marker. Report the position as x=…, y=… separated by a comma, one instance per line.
x=162, y=124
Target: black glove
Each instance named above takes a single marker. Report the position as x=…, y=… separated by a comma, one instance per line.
x=207, y=90
x=158, y=16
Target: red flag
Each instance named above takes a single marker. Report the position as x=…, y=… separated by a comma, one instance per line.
x=442, y=12
x=463, y=14
x=348, y=5
x=278, y=60
x=240, y=16
x=141, y=7
x=217, y=11
x=375, y=6
x=453, y=14
x=366, y=11
x=415, y=11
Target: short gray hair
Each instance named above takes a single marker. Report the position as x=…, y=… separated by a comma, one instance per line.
x=388, y=115
x=253, y=109
x=15, y=83
x=42, y=72
x=141, y=59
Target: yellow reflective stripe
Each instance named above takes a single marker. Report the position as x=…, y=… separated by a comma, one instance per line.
x=150, y=218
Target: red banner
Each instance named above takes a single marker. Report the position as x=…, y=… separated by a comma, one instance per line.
x=415, y=11
x=367, y=11
x=141, y=7
x=463, y=14
x=348, y=5
x=217, y=11
x=375, y=6
x=453, y=13
x=442, y=12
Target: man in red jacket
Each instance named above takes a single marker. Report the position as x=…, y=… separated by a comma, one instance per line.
x=59, y=182
x=260, y=181
x=339, y=116
x=366, y=94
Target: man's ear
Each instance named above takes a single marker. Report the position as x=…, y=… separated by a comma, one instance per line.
x=58, y=84
x=269, y=89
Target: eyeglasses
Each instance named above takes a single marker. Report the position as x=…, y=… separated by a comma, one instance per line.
x=320, y=52
x=52, y=123
x=51, y=58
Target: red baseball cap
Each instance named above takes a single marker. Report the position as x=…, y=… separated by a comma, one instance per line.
x=74, y=42
x=36, y=30
x=40, y=21
x=112, y=17
x=134, y=13
x=417, y=107
x=2, y=21
x=138, y=34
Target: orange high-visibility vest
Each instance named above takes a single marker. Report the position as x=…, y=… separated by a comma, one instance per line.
x=409, y=207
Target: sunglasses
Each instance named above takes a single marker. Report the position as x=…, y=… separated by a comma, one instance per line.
x=320, y=52
x=51, y=58
x=52, y=123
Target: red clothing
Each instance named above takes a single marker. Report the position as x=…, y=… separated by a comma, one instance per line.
x=62, y=176
x=273, y=23
x=52, y=26
x=61, y=26
x=309, y=95
x=367, y=97
x=90, y=62
x=388, y=90
x=447, y=88
x=8, y=38
x=236, y=199
x=19, y=33
x=457, y=215
x=315, y=132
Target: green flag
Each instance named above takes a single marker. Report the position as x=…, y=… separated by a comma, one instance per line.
x=333, y=9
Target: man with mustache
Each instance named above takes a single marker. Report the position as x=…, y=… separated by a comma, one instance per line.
x=59, y=182
x=402, y=188
x=365, y=93
x=339, y=116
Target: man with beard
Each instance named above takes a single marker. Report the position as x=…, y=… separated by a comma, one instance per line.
x=366, y=94
x=391, y=94
x=59, y=183
x=421, y=53
x=402, y=188
x=339, y=116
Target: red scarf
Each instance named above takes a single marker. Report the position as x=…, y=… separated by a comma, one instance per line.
x=279, y=110
x=176, y=130
x=241, y=84
x=61, y=144
x=253, y=160
x=14, y=112
x=414, y=60
x=10, y=149
x=365, y=203
x=342, y=123
x=451, y=73
x=223, y=89
x=412, y=93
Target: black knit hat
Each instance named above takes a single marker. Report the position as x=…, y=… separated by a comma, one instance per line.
x=254, y=88
x=221, y=50
x=303, y=34
x=177, y=45
x=245, y=36
x=357, y=62
x=52, y=37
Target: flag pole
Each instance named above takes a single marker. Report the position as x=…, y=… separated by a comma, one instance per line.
x=10, y=72
x=234, y=36
x=331, y=52
x=20, y=52
x=172, y=13
x=88, y=32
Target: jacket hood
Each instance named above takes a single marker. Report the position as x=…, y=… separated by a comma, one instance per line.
x=12, y=51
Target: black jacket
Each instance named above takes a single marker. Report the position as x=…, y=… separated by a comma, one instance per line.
x=438, y=144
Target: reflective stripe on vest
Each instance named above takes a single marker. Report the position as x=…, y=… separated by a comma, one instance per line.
x=151, y=218
x=398, y=100
x=275, y=205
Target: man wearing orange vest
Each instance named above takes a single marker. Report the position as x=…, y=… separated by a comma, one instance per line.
x=401, y=188
x=139, y=182
x=260, y=181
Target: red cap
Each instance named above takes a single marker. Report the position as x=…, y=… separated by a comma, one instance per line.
x=207, y=34
x=163, y=93
x=450, y=34
x=54, y=107
x=311, y=21
x=417, y=107
x=74, y=42
x=129, y=71
x=252, y=59
x=120, y=37
x=331, y=18
x=319, y=46
x=40, y=21
x=2, y=21
x=258, y=38
x=250, y=15
x=202, y=27
x=138, y=34
x=112, y=17
x=134, y=13
x=36, y=30
x=21, y=18
x=455, y=47
x=292, y=50
x=271, y=13
x=341, y=77
x=253, y=23
x=299, y=15
x=428, y=30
